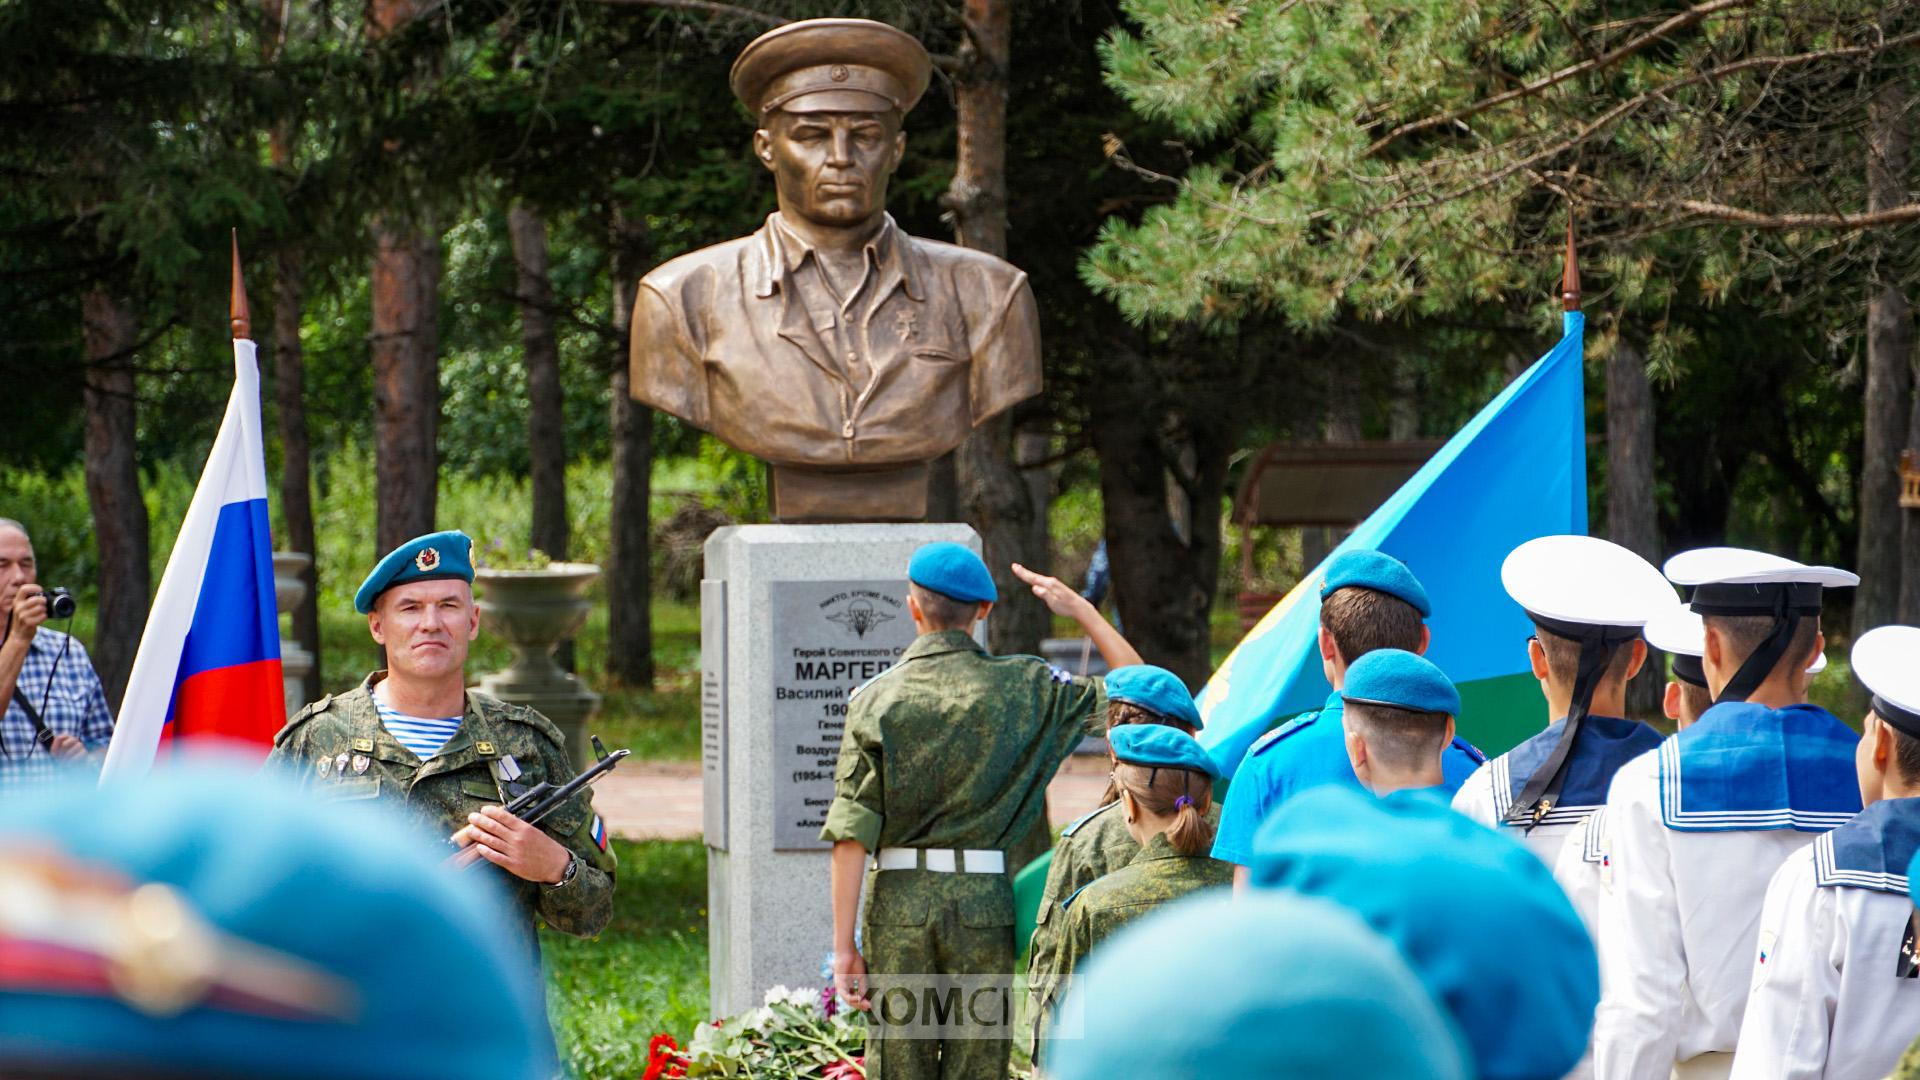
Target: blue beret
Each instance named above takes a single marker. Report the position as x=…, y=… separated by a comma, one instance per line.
x=441, y=556
x=320, y=926
x=1156, y=690
x=953, y=570
x=1365, y=568
x=1442, y=887
x=1398, y=678
x=1161, y=747
x=1347, y=1006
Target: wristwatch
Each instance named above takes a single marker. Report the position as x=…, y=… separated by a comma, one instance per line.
x=566, y=879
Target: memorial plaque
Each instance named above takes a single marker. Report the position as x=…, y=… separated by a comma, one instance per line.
x=828, y=637
x=713, y=713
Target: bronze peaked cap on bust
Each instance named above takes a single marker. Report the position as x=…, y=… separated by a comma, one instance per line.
x=832, y=65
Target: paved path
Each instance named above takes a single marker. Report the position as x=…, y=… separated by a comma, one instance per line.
x=660, y=800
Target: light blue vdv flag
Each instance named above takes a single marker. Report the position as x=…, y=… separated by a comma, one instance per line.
x=1518, y=470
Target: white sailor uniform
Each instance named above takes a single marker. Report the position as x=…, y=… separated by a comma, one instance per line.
x=1826, y=1000
x=1601, y=746
x=1694, y=832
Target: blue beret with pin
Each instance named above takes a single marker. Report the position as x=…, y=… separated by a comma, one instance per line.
x=1156, y=690
x=213, y=920
x=952, y=570
x=1157, y=746
x=441, y=556
x=1402, y=680
x=1365, y=568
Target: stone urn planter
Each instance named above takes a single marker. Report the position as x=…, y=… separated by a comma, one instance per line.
x=289, y=588
x=533, y=611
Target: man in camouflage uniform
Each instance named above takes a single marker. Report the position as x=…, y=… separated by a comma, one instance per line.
x=419, y=605
x=943, y=765
x=1099, y=842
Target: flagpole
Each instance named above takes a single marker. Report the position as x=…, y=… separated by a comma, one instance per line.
x=1569, y=274
x=237, y=303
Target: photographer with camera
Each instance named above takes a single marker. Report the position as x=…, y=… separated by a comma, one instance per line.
x=55, y=709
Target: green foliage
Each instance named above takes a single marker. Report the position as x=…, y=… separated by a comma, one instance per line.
x=646, y=973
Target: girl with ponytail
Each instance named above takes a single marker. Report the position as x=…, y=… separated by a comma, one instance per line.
x=1100, y=842
x=1165, y=781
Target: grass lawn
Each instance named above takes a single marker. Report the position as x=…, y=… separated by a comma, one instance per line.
x=645, y=974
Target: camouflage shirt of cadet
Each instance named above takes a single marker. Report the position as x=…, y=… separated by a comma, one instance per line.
x=1157, y=875
x=953, y=748
x=338, y=749
x=1087, y=851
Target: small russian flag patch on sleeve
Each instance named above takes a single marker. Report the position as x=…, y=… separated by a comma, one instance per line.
x=599, y=833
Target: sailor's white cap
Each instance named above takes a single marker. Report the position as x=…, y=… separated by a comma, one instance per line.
x=1584, y=580
x=1740, y=566
x=1886, y=660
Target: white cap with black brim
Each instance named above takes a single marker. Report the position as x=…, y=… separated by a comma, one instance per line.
x=1591, y=591
x=1736, y=582
x=1886, y=660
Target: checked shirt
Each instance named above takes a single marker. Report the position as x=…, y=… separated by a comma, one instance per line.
x=75, y=704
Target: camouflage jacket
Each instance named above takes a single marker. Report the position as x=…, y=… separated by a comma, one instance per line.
x=1157, y=875
x=1088, y=850
x=953, y=748
x=338, y=749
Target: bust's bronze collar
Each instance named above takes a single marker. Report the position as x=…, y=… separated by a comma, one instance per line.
x=781, y=251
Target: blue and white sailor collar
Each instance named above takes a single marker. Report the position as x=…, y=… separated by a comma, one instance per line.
x=1747, y=767
x=1871, y=851
x=1600, y=746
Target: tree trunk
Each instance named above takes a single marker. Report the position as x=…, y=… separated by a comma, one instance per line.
x=546, y=422
x=405, y=288
x=1631, y=519
x=406, y=381
x=1163, y=583
x=629, y=560
x=1889, y=373
x=1910, y=533
x=113, y=487
x=992, y=493
x=296, y=484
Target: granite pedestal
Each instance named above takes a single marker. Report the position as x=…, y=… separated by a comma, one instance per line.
x=792, y=617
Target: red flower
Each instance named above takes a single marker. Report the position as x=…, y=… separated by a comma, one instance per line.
x=663, y=1060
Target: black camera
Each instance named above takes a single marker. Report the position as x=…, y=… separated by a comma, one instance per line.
x=60, y=603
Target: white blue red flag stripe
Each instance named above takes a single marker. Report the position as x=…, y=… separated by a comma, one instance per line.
x=209, y=661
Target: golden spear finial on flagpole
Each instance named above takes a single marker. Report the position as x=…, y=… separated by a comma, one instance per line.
x=237, y=306
x=1570, y=276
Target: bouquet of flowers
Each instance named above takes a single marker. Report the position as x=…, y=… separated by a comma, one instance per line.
x=796, y=1033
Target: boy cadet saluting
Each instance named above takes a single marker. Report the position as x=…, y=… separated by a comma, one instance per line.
x=1368, y=600
x=1477, y=916
x=1832, y=991
x=1101, y=841
x=1695, y=829
x=415, y=736
x=1588, y=600
x=944, y=763
x=1166, y=782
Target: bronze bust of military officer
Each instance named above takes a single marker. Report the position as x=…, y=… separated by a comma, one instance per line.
x=830, y=344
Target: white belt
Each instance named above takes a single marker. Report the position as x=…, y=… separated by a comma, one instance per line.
x=942, y=860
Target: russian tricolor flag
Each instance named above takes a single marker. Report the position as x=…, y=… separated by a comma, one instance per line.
x=209, y=661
